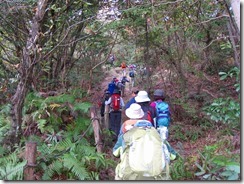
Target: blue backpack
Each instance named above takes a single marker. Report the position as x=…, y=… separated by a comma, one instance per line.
x=132, y=74
x=111, y=87
x=163, y=114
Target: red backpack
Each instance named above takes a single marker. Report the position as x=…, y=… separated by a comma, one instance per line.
x=148, y=116
x=115, y=102
x=123, y=65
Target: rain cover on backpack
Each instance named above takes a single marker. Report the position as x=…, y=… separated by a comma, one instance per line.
x=145, y=151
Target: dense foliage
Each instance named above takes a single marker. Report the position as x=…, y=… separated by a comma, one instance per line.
x=52, y=57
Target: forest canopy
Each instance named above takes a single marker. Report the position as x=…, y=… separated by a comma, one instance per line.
x=54, y=55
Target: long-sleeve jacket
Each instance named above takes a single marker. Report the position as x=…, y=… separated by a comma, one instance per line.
x=131, y=101
x=108, y=102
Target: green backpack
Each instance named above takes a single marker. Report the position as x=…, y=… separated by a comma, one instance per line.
x=142, y=157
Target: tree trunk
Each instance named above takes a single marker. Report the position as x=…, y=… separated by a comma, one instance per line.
x=96, y=128
x=232, y=41
x=30, y=156
x=26, y=69
x=16, y=120
x=146, y=56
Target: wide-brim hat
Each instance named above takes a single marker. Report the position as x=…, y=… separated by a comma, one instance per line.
x=142, y=96
x=134, y=111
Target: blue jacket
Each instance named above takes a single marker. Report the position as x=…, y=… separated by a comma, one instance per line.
x=111, y=87
x=131, y=101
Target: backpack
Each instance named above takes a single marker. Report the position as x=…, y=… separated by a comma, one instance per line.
x=148, y=116
x=123, y=65
x=111, y=87
x=143, y=154
x=163, y=114
x=124, y=80
x=111, y=58
x=132, y=74
x=115, y=102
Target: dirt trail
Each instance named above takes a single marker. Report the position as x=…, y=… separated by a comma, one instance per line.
x=114, y=72
x=109, y=74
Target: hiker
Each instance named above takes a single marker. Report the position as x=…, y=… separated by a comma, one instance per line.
x=116, y=104
x=144, y=101
x=143, y=156
x=104, y=98
x=132, y=74
x=112, y=85
x=123, y=67
x=163, y=114
x=163, y=118
x=132, y=100
x=122, y=87
x=124, y=80
x=135, y=113
x=119, y=85
x=111, y=59
x=132, y=67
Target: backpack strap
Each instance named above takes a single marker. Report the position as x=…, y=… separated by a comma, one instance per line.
x=128, y=124
x=143, y=123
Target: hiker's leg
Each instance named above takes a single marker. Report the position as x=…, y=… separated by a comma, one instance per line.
x=110, y=121
x=113, y=124
x=163, y=132
x=118, y=122
x=102, y=109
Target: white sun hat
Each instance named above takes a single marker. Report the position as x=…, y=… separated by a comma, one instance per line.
x=142, y=96
x=134, y=111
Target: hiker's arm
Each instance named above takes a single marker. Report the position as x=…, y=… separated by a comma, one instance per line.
x=122, y=102
x=117, y=149
x=127, y=105
x=108, y=101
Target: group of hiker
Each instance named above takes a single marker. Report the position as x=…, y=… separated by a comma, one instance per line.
x=141, y=140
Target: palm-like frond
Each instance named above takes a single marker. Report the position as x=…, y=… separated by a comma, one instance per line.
x=11, y=167
x=4, y=121
x=60, y=99
x=55, y=167
x=83, y=107
x=76, y=166
x=64, y=145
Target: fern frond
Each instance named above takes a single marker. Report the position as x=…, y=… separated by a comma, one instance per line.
x=83, y=107
x=41, y=124
x=64, y=145
x=14, y=172
x=93, y=176
x=75, y=166
x=87, y=150
x=5, y=109
x=13, y=168
x=12, y=158
x=100, y=161
x=55, y=167
x=45, y=151
x=82, y=123
x=60, y=99
x=4, y=121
